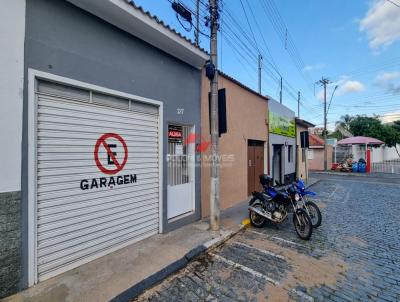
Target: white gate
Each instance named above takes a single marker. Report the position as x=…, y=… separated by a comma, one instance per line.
x=181, y=162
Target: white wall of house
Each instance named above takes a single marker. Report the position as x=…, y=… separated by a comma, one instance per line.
x=390, y=153
x=12, y=35
x=378, y=155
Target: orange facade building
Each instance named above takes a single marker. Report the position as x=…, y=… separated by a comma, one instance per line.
x=243, y=149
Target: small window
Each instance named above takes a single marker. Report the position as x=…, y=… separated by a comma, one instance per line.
x=310, y=154
x=290, y=153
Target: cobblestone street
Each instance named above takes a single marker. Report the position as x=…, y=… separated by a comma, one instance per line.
x=353, y=256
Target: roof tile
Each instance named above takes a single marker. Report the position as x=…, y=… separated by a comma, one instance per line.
x=316, y=140
x=159, y=21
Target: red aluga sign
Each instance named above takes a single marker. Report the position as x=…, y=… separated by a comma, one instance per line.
x=174, y=134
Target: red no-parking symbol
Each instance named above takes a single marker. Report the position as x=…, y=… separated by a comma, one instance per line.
x=112, y=160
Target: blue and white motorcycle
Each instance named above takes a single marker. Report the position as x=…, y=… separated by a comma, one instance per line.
x=275, y=203
x=309, y=206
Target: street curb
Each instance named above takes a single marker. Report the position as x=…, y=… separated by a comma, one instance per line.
x=246, y=222
x=150, y=281
x=359, y=175
x=343, y=174
x=317, y=181
x=147, y=283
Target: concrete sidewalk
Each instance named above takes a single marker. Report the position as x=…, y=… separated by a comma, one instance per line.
x=125, y=273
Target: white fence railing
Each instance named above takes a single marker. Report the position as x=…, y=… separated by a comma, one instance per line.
x=388, y=166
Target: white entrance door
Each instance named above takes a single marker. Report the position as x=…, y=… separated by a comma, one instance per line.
x=181, y=161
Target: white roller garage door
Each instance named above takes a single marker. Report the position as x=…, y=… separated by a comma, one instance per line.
x=97, y=175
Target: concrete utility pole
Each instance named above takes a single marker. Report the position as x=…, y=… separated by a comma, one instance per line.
x=280, y=93
x=306, y=161
x=298, y=104
x=324, y=82
x=325, y=151
x=214, y=189
x=259, y=73
x=196, y=33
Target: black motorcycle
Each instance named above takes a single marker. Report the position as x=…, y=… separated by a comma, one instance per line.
x=275, y=203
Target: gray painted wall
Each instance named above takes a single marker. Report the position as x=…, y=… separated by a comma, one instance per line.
x=288, y=167
x=279, y=108
x=66, y=41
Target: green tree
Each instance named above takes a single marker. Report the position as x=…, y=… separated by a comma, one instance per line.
x=392, y=134
x=366, y=126
x=373, y=127
x=396, y=125
x=345, y=121
x=335, y=134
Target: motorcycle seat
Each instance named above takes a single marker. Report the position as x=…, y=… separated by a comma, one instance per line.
x=281, y=191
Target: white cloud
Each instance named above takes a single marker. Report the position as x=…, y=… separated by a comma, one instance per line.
x=313, y=67
x=388, y=76
x=389, y=81
x=350, y=86
x=390, y=117
x=381, y=24
x=345, y=86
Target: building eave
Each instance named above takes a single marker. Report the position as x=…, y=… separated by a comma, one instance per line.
x=304, y=123
x=134, y=20
x=240, y=84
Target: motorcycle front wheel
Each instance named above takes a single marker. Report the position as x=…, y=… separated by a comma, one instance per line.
x=255, y=219
x=302, y=224
x=314, y=213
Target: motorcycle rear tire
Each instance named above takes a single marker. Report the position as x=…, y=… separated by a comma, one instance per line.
x=255, y=219
x=317, y=213
x=304, y=232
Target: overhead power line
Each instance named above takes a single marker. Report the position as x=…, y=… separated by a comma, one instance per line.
x=248, y=23
x=371, y=68
x=244, y=43
x=394, y=3
x=269, y=58
x=248, y=43
x=283, y=33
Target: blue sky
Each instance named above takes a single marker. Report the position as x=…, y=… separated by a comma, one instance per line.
x=355, y=44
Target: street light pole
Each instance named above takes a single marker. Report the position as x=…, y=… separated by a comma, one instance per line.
x=324, y=82
x=214, y=189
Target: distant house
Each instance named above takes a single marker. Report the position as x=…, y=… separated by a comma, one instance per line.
x=282, y=142
x=317, y=130
x=316, y=153
x=301, y=167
